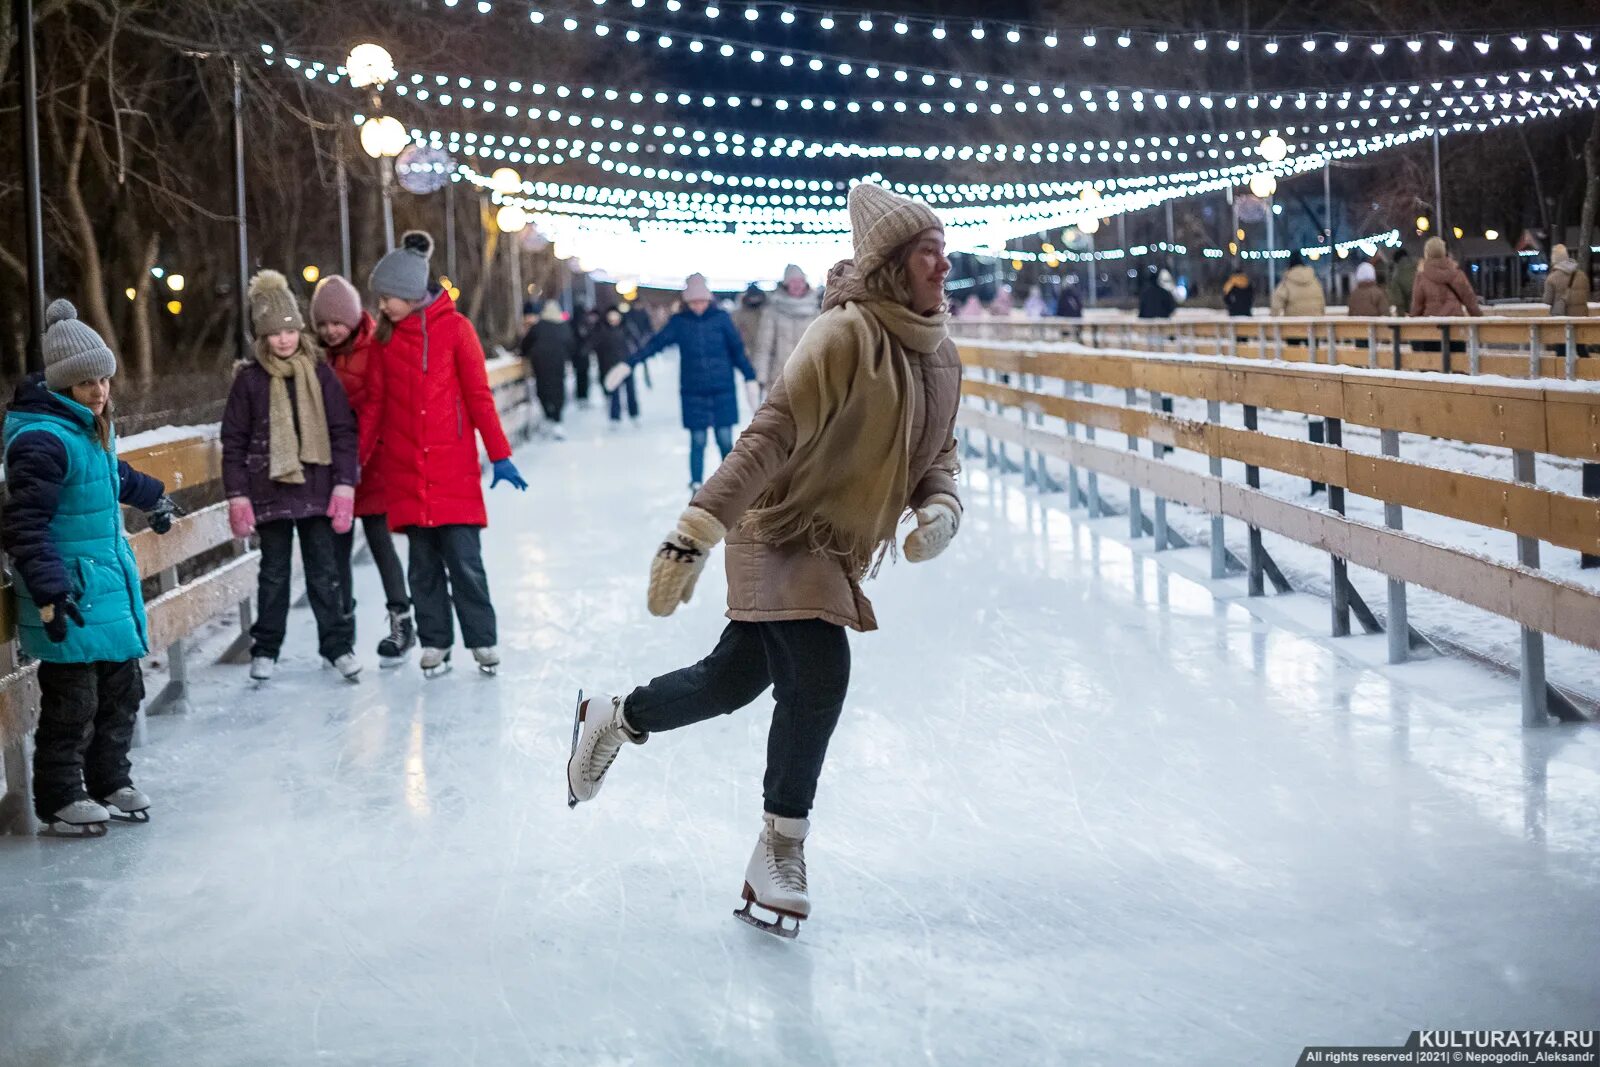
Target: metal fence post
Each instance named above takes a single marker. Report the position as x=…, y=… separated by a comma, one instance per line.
x=1157, y=451
x=1535, y=693
x=1069, y=388
x=174, y=698
x=1474, y=354
x=1572, y=352
x=1372, y=345
x=1219, y=547
x=1334, y=431
x=1534, y=369
x=1399, y=628
x=1135, y=510
x=1095, y=510
x=1256, y=572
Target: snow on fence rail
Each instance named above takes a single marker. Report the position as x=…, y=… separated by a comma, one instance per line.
x=1530, y=419
x=182, y=461
x=1513, y=346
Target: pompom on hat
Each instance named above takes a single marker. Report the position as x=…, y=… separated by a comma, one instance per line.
x=73, y=352
x=405, y=272
x=881, y=222
x=272, y=306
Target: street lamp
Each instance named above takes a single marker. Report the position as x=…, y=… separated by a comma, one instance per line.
x=1273, y=148
x=383, y=138
x=506, y=181
x=1263, y=185
x=370, y=65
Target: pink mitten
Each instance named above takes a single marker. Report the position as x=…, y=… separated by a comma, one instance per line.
x=241, y=517
x=342, y=508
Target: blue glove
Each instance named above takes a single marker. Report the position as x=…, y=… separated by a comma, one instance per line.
x=506, y=471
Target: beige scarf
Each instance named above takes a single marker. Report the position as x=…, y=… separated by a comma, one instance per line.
x=290, y=451
x=850, y=390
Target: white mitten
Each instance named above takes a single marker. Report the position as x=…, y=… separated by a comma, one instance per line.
x=681, y=558
x=937, y=522
x=616, y=376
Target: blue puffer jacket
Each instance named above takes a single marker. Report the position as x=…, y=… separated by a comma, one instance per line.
x=63, y=528
x=709, y=350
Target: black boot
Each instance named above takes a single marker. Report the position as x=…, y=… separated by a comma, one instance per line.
x=392, y=650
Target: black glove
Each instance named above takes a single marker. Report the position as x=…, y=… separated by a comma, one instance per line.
x=55, y=615
x=161, y=516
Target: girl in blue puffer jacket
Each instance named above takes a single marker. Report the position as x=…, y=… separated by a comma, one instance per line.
x=80, y=609
x=709, y=351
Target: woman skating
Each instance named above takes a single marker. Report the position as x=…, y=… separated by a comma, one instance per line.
x=612, y=344
x=432, y=401
x=289, y=468
x=709, y=352
x=80, y=611
x=858, y=429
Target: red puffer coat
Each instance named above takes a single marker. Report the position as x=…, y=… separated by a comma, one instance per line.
x=352, y=362
x=430, y=390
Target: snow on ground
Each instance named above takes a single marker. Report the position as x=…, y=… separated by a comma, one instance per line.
x=1084, y=807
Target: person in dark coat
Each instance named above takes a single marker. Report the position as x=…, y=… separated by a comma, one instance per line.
x=79, y=609
x=710, y=351
x=612, y=343
x=548, y=347
x=1238, y=295
x=584, y=323
x=289, y=466
x=1069, y=305
x=1156, y=301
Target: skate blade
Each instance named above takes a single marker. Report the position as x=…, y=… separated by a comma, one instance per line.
x=130, y=816
x=389, y=663
x=69, y=830
x=777, y=927
x=490, y=671
x=437, y=672
x=577, y=723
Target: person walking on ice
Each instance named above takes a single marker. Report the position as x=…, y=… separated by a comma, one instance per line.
x=431, y=401
x=709, y=352
x=80, y=611
x=858, y=428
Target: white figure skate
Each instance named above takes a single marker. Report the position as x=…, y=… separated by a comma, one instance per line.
x=81, y=818
x=488, y=659
x=128, y=805
x=347, y=665
x=598, y=733
x=775, y=878
x=261, y=668
x=435, y=662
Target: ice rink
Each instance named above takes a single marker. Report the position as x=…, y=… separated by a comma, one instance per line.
x=1084, y=807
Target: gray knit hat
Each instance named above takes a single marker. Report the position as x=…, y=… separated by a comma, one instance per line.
x=272, y=306
x=881, y=222
x=404, y=272
x=73, y=352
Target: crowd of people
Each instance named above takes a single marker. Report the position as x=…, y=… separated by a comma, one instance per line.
x=377, y=417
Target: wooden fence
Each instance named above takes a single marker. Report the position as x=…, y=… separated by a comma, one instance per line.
x=1013, y=388
x=180, y=608
x=1513, y=346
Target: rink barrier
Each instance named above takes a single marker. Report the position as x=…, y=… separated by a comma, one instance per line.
x=180, y=608
x=1514, y=345
x=1529, y=419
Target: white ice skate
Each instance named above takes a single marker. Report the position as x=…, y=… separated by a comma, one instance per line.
x=347, y=665
x=775, y=878
x=81, y=818
x=598, y=732
x=488, y=658
x=128, y=805
x=435, y=661
x=261, y=669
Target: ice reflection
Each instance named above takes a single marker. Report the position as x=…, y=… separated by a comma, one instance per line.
x=417, y=770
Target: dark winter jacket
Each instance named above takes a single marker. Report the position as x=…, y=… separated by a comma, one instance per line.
x=1156, y=302
x=1069, y=305
x=63, y=529
x=432, y=391
x=1239, y=296
x=549, y=346
x=710, y=350
x=1402, y=280
x=247, y=447
x=611, y=345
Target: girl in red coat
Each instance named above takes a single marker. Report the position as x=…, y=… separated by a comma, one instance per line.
x=347, y=332
x=430, y=396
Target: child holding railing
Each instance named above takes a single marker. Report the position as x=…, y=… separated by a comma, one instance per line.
x=80, y=608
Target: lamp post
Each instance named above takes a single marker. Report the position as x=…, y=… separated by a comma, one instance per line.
x=1263, y=185
x=1089, y=227
x=369, y=66
x=511, y=220
x=33, y=217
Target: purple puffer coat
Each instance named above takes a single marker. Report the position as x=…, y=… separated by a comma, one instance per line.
x=246, y=439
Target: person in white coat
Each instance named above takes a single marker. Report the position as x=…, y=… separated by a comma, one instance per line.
x=789, y=310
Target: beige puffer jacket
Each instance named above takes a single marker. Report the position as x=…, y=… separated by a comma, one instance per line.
x=783, y=321
x=768, y=583
x=1299, y=295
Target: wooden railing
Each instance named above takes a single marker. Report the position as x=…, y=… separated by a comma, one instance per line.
x=1513, y=346
x=1013, y=389
x=181, y=607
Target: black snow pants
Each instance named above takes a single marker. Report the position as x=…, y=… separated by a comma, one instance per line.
x=87, y=713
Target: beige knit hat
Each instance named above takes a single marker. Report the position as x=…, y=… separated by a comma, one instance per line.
x=695, y=288
x=881, y=222
x=272, y=306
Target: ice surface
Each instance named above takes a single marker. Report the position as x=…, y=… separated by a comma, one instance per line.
x=1083, y=808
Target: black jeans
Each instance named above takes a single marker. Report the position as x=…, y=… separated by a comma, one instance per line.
x=87, y=713
x=381, y=544
x=631, y=390
x=582, y=362
x=336, y=628
x=454, y=549
x=807, y=664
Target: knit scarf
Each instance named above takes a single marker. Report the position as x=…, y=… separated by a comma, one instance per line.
x=852, y=395
x=289, y=451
